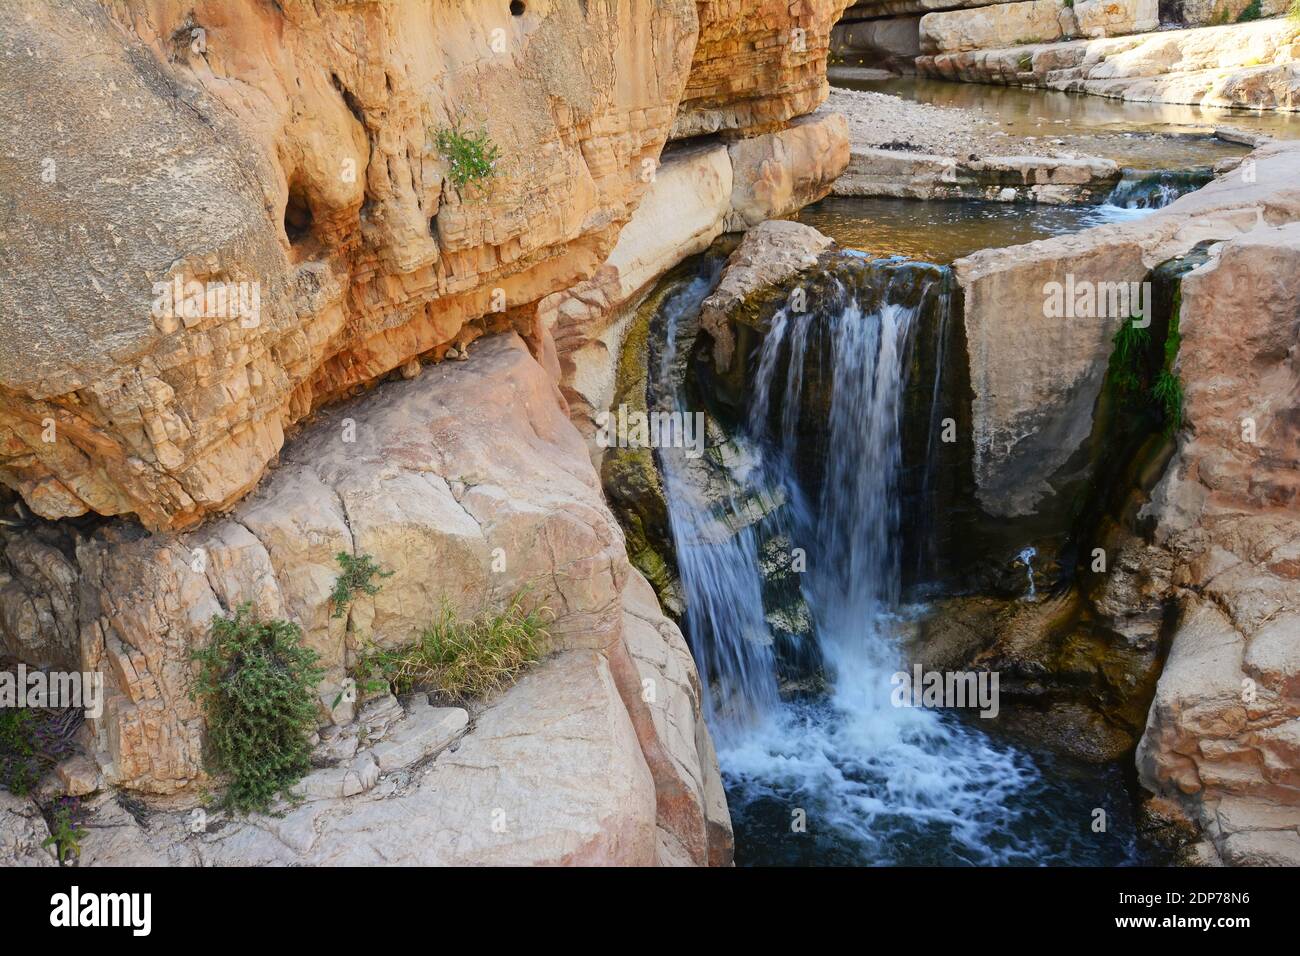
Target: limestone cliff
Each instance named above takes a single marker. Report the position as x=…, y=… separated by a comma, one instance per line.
x=290, y=145
x=293, y=146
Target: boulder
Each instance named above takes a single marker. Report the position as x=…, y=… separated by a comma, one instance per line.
x=778, y=175
x=997, y=26
x=768, y=256
x=22, y=831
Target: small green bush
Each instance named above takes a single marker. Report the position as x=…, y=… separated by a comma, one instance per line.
x=65, y=819
x=462, y=660
x=471, y=156
x=1294, y=11
x=1251, y=12
x=19, y=764
x=358, y=576
x=257, y=684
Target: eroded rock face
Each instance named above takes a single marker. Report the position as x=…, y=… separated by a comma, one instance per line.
x=1222, y=731
x=1003, y=25
x=757, y=65
x=1243, y=64
x=999, y=25
x=468, y=484
x=306, y=137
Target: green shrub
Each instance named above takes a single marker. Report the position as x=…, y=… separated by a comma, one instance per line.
x=358, y=575
x=470, y=154
x=1294, y=11
x=19, y=764
x=462, y=660
x=65, y=819
x=1251, y=12
x=257, y=683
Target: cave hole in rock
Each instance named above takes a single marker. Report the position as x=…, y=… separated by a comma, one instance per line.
x=516, y=8
x=297, y=216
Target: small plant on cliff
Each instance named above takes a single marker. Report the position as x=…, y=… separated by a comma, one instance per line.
x=1167, y=390
x=358, y=576
x=19, y=765
x=65, y=819
x=471, y=156
x=1251, y=12
x=460, y=659
x=32, y=741
x=257, y=683
x=1294, y=11
x=1129, y=358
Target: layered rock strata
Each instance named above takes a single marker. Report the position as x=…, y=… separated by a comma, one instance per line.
x=1250, y=65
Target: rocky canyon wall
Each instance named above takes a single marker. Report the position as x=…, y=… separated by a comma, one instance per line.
x=1235, y=53
x=1197, y=566
x=291, y=146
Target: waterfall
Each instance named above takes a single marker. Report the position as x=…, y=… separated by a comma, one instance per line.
x=820, y=447
x=1026, y=557
x=1155, y=189
x=861, y=333
x=818, y=762
x=717, y=564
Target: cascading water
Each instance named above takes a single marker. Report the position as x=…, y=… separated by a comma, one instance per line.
x=837, y=774
x=1155, y=189
x=718, y=565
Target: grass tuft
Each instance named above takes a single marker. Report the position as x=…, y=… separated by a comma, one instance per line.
x=462, y=660
x=1167, y=390
x=1131, y=343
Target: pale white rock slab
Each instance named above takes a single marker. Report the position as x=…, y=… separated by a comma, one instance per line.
x=426, y=730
